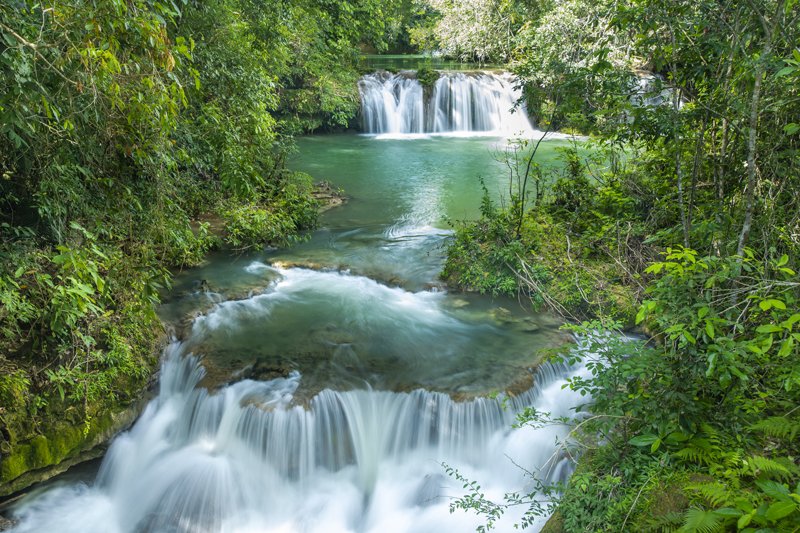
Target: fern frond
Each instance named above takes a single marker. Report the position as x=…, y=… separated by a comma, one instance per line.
x=715, y=493
x=666, y=523
x=778, y=427
x=700, y=521
x=699, y=451
x=773, y=489
x=711, y=433
x=764, y=467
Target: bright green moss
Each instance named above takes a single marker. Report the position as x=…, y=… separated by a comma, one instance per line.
x=15, y=465
x=40, y=455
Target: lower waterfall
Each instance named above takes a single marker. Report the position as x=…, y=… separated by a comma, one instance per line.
x=244, y=459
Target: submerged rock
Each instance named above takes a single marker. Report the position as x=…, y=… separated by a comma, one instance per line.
x=459, y=303
x=502, y=315
x=327, y=196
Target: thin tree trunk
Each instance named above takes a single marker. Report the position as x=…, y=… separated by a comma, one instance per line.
x=676, y=139
x=752, y=138
x=698, y=150
x=679, y=170
x=749, y=191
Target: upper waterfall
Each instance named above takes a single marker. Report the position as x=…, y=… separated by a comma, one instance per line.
x=458, y=102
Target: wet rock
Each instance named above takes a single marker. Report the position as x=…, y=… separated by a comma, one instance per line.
x=6, y=524
x=327, y=196
x=522, y=384
x=266, y=370
x=215, y=376
x=331, y=336
x=528, y=325
x=308, y=265
x=428, y=492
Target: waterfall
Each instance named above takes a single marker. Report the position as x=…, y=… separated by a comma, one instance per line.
x=246, y=459
x=459, y=102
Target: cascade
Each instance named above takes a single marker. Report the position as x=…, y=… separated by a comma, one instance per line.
x=458, y=102
x=354, y=436
x=246, y=458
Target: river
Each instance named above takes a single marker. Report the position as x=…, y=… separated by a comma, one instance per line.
x=323, y=387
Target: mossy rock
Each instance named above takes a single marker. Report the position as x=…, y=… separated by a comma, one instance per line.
x=664, y=506
x=65, y=440
x=40, y=455
x=45, y=455
x=555, y=524
x=14, y=465
x=428, y=77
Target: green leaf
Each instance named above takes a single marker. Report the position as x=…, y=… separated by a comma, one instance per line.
x=783, y=260
x=709, y=329
x=789, y=322
x=777, y=304
x=769, y=328
x=655, y=268
x=765, y=305
x=644, y=440
x=745, y=520
x=786, y=347
x=774, y=490
x=780, y=510
x=701, y=521
x=739, y=374
x=640, y=315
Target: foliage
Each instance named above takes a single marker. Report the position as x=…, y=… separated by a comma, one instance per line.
x=699, y=160
x=427, y=76
x=482, y=31
x=557, y=251
x=121, y=122
x=537, y=502
x=572, y=68
x=484, y=255
x=716, y=398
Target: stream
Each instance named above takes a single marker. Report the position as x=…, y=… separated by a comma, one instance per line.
x=321, y=388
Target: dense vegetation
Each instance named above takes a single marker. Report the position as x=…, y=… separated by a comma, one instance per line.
x=128, y=126
x=687, y=210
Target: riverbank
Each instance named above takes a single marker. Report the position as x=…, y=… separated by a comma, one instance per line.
x=42, y=434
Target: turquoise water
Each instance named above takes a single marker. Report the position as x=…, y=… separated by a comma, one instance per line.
x=360, y=303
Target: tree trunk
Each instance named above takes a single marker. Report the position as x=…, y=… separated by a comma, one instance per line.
x=749, y=191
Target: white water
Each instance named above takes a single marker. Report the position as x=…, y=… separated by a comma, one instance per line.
x=245, y=460
x=481, y=103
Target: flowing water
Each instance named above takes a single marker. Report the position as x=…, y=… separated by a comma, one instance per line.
x=458, y=102
x=321, y=388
